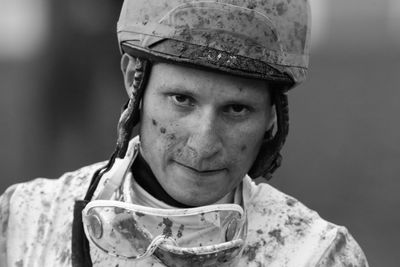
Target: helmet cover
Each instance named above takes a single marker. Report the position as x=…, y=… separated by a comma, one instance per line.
x=254, y=38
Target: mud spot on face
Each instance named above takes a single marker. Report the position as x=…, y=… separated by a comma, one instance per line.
x=154, y=122
x=252, y=4
x=243, y=148
x=281, y=8
x=277, y=235
x=139, y=214
x=163, y=130
x=260, y=232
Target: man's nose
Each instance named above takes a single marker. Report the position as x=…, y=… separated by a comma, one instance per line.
x=205, y=140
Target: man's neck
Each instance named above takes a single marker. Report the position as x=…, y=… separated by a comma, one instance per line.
x=145, y=178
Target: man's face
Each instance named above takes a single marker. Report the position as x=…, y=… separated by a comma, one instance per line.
x=201, y=131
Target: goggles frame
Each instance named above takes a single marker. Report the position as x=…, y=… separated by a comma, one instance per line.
x=164, y=243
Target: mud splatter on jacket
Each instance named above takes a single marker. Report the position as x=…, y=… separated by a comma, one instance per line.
x=36, y=222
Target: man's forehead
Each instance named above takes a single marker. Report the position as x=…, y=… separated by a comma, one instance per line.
x=183, y=77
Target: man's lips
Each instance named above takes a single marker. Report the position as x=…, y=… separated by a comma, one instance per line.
x=201, y=172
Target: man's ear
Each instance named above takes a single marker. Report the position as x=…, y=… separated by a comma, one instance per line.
x=128, y=71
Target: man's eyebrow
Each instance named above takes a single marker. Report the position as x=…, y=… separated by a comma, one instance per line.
x=178, y=89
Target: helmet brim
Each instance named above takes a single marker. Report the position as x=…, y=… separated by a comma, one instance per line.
x=208, y=58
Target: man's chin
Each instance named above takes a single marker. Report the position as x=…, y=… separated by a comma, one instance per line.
x=193, y=189
x=194, y=194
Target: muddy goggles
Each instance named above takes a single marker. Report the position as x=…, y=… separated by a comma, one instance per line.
x=204, y=236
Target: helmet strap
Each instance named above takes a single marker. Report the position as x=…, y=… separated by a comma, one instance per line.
x=130, y=115
x=269, y=157
x=129, y=118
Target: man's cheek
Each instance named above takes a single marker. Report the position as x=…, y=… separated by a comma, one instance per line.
x=243, y=148
x=241, y=154
x=167, y=140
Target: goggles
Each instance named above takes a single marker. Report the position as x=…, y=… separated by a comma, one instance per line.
x=203, y=236
x=211, y=235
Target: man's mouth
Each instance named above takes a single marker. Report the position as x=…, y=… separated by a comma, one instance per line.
x=204, y=172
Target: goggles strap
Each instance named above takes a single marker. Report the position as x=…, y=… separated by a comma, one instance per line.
x=80, y=250
x=157, y=241
x=130, y=116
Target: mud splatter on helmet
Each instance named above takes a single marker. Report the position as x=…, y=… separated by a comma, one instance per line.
x=263, y=39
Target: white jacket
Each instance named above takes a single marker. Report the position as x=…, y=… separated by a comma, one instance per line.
x=36, y=223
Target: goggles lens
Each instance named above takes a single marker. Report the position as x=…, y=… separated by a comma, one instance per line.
x=211, y=233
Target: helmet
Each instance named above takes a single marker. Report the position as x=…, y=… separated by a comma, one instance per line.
x=267, y=39
x=263, y=39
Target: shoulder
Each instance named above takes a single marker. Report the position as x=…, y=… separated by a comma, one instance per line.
x=343, y=251
x=284, y=232
x=70, y=184
x=40, y=194
x=268, y=208
x=40, y=212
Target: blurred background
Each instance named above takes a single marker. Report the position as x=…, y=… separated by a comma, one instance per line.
x=61, y=91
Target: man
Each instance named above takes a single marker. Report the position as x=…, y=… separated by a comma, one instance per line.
x=206, y=82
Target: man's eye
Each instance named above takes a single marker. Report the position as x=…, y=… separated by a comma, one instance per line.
x=237, y=110
x=182, y=100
